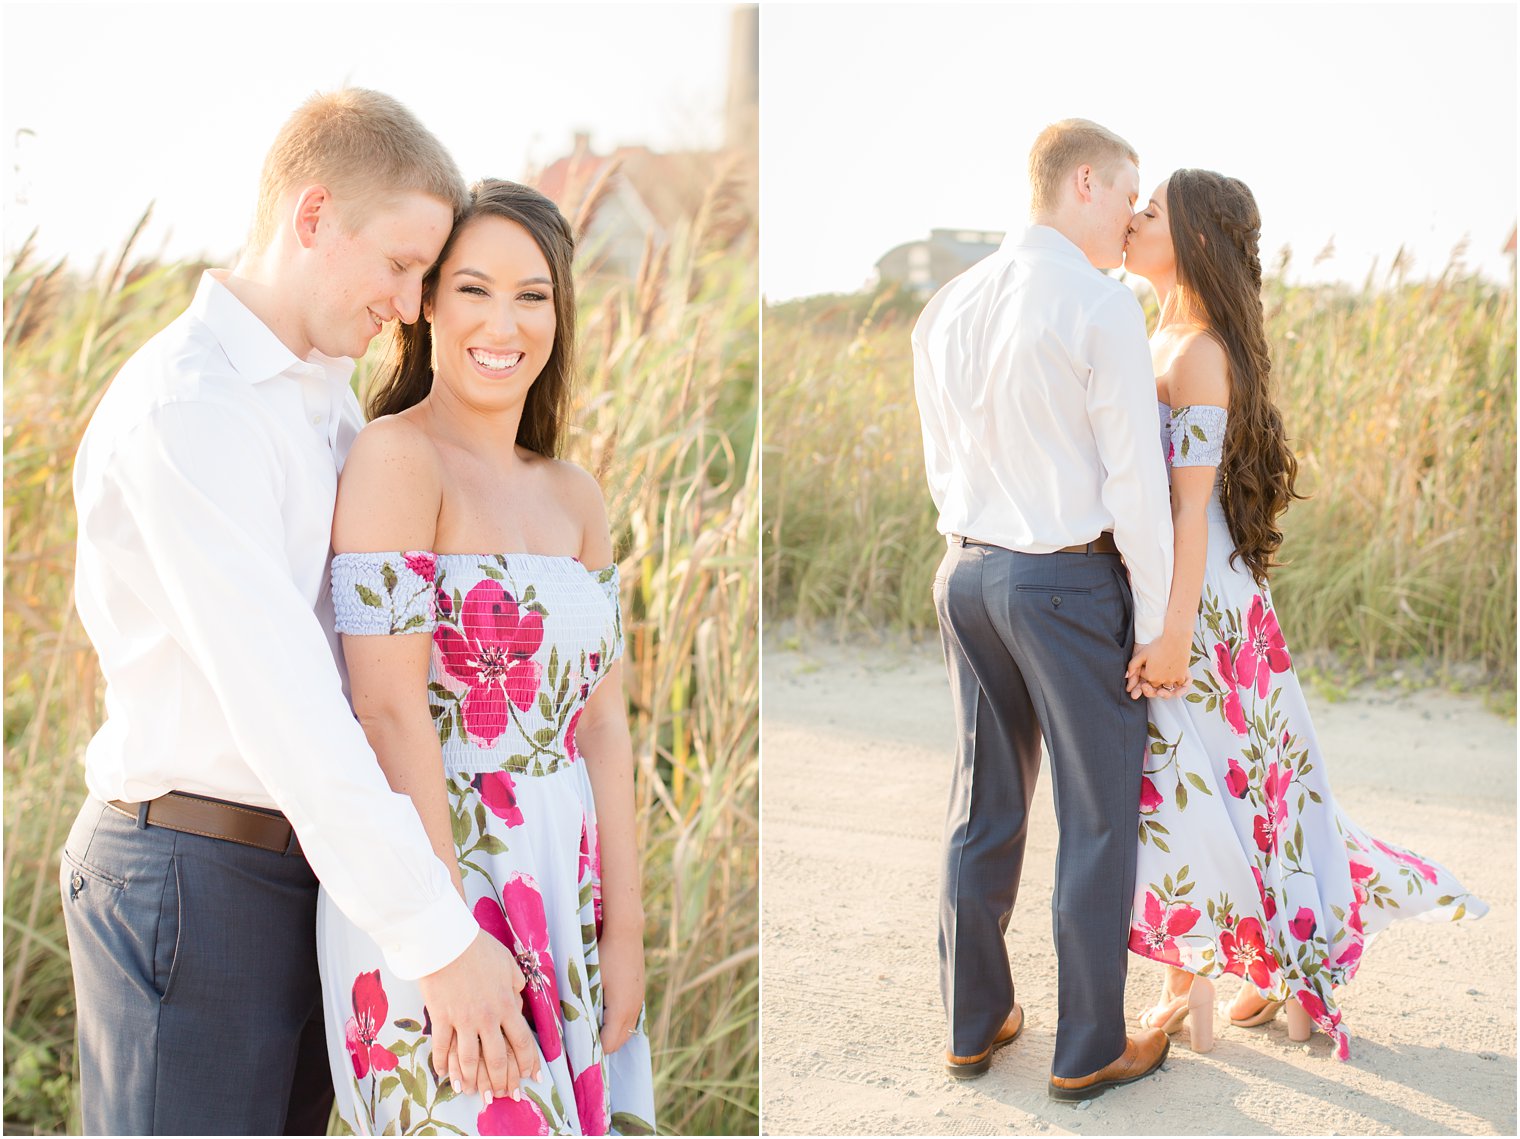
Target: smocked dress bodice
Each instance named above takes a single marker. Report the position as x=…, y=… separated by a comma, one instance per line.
x=520, y=641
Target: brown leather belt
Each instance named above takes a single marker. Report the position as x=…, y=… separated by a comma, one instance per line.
x=1102, y=544
x=214, y=818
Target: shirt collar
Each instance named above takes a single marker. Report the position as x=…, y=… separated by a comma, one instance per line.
x=1047, y=238
x=254, y=351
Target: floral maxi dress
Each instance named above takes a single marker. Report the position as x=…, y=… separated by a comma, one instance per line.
x=1246, y=865
x=519, y=643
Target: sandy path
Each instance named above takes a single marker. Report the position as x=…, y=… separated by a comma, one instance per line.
x=856, y=754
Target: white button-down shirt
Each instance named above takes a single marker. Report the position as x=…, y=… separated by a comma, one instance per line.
x=205, y=486
x=1038, y=406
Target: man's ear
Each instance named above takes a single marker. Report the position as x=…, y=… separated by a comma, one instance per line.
x=311, y=205
x=1084, y=182
x=427, y=309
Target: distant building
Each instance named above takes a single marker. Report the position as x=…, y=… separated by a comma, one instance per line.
x=923, y=266
x=638, y=196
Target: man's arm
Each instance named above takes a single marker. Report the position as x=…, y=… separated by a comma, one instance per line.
x=200, y=485
x=1121, y=405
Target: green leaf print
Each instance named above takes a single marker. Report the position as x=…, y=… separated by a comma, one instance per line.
x=390, y=577
x=568, y=1010
x=626, y=1123
x=369, y=596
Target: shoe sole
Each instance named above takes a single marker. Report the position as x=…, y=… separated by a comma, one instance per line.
x=979, y=1067
x=1093, y=1091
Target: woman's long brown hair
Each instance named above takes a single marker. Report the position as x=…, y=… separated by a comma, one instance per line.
x=407, y=374
x=1215, y=228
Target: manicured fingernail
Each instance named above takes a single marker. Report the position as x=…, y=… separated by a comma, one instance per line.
x=486, y=1095
x=517, y=1095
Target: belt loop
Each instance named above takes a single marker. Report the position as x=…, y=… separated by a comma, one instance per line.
x=293, y=847
x=142, y=814
x=960, y=540
x=1088, y=550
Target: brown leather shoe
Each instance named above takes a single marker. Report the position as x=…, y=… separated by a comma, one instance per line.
x=1143, y=1054
x=969, y=1067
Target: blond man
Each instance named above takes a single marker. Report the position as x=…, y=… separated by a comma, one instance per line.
x=230, y=774
x=1042, y=447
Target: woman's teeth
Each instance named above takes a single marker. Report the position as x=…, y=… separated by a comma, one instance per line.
x=495, y=362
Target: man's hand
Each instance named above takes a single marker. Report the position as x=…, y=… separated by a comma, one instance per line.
x=480, y=1039
x=621, y=952
x=1159, y=670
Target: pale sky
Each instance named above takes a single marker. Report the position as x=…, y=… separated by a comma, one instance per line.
x=177, y=103
x=1376, y=124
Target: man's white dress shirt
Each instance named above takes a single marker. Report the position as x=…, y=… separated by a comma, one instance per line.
x=1038, y=406
x=205, y=486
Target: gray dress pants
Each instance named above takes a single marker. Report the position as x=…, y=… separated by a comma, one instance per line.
x=1036, y=645
x=195, y=977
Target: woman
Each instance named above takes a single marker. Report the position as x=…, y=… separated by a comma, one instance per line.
x=506, y=725
x=1246, y=866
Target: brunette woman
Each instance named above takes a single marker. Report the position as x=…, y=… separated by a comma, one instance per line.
x=477, y=596
x=1246, y=865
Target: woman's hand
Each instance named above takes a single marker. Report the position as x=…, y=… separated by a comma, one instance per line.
x=621, y=952
x=1160, y=669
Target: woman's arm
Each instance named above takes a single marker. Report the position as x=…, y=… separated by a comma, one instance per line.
x=1199, y=375
x=388, y=499
x=601, y=736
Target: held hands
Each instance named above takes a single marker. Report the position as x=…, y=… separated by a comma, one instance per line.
x=1159, y=670
x=621, y=950
x=481, y=1042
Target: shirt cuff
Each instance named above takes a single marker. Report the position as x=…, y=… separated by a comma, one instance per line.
x=432, y=939
x=1148, y=628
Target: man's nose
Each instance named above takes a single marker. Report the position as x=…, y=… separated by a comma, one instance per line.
x=408, y=302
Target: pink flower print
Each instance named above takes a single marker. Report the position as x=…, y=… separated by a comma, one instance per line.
x=1155, y=934
x=499, y=793
x=512, y=1117
x=1302, y=926
x=445, y=603
x=370, y=1007
x=422, y=563
x=575, y=718
x=524, y=929
x=1236, y=779
x=1264, y=651
x=494, y=657
x=1268, y=902
x=1426, y=870
x=1348, y=957
x=1329, y=1023
x=1245, y=951
x=1269, y=827
x=1234, y=714
x=591, y=1101
x=591, y=853
x=1150, y=798
x=591, y=864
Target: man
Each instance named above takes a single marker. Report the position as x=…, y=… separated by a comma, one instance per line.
x=230, y=767
x=1041, y=441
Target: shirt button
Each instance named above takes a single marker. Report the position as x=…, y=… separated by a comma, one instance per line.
x=1056, y=601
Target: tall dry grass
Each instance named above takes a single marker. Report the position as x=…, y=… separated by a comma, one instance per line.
x=666, y=418
x=1399, y=399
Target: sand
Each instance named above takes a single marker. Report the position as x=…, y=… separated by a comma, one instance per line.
x=857, y=747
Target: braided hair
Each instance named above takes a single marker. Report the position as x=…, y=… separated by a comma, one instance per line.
x=1215, y=228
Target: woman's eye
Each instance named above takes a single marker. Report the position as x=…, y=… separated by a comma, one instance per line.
x=534, y=297
x=473, y=290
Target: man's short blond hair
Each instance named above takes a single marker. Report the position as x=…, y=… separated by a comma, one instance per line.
x=1065, y=145
x=365, y=147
